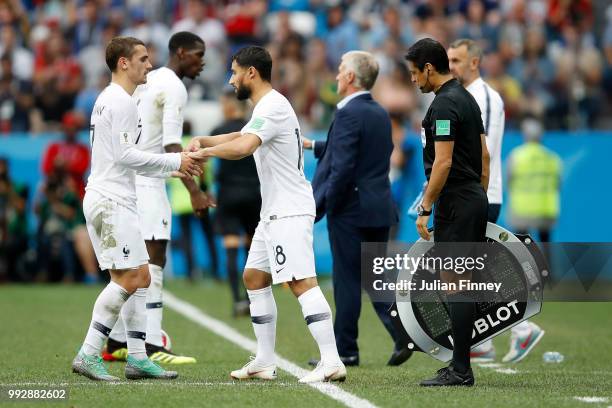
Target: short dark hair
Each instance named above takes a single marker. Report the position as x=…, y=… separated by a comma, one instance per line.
x=256, y=57
x=120, y=47
x=184, y=39
x=430, y=51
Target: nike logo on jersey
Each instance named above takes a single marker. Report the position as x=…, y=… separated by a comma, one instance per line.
x=280, y=270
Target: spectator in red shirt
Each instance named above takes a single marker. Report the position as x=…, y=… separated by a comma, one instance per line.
x=68, y=156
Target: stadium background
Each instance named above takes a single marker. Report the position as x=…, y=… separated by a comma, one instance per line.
x=548, y=58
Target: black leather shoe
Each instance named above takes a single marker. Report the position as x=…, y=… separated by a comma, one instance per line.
x=399, y=356
x=352, y=361
x=448, y=377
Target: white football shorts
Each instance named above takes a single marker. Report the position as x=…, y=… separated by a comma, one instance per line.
x=283, y=248
x=114, y=232
x=154, y=212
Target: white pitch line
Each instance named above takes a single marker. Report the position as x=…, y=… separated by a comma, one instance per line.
x=506, y=371
x=490, y=365
x=218, y=327
x=499, y=368
x=591, y=399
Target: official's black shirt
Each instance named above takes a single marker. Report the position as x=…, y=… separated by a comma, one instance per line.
x=454, y=115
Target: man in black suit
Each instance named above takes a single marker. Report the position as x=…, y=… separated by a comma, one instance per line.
x=351, y=186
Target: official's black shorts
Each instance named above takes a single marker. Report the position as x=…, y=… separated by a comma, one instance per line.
x=460, y=214
x=237, y=211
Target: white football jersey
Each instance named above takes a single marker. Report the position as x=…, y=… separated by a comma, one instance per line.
x=161, y=102
x=115, y=134
x=493, y=119
x=280, y=159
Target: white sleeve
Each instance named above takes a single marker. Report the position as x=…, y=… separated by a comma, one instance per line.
x=172, y=116
x=262, y=125
x=124, y=136
x=496, y=128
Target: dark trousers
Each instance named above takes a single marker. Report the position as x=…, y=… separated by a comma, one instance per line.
x=494, y=210
x=345, y=239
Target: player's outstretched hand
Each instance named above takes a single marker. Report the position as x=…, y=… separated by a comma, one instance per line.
x=200, y=155
x=178, y=174
x=190, y=166
x=193, y=145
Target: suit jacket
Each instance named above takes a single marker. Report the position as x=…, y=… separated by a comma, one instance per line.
x=352, y=176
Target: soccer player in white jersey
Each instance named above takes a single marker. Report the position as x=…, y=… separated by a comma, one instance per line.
x=281, y=249
x=464, y=60
x=161, y=103
x=110, y=212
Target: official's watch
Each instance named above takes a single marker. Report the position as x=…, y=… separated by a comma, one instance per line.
x=421, y=211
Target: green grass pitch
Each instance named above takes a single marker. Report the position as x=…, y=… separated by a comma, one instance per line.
x=41, y=328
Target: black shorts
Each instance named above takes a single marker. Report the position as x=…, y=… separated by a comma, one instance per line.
x=460, y=214
x=237, y=211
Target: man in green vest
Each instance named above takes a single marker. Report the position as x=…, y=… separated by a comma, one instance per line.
x=534, y=180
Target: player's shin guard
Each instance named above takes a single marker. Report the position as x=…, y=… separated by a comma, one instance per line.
x=135, y=320
x=461, y=306
x=155, y=305
x=317, y=314
x=105, y=312
x=263, y=316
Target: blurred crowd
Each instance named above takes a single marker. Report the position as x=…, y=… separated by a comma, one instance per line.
x=548, y=58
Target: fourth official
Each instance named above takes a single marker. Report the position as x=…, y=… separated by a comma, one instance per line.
x=456, y=163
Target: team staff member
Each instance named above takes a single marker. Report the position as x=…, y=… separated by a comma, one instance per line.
x=456, y=163
x=351, y=186
x=464, y=58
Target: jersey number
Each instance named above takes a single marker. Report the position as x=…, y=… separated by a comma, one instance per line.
x=280, y=256
x=300, y=165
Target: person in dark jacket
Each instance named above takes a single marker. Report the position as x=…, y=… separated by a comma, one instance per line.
x=351, y=186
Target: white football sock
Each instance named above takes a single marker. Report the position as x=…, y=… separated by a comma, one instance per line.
x=319, y=320
x=105, y=313
x=522, y=329
x=263, y=316
x=134, y=314
x=118, y=333
x=154, y=305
